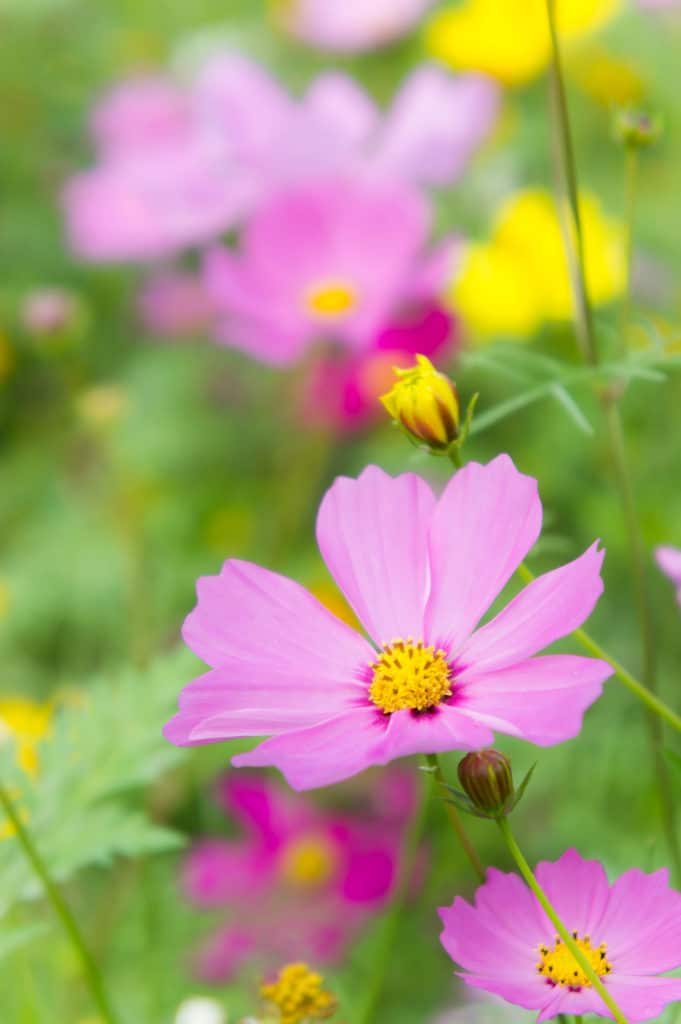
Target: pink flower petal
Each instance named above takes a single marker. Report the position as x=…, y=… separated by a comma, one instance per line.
x=476, y=943
x=432, y=733
x=218, y=873
x=484, y=524
x=669, y=561
x=505, y=903
x=258, y=617
x=642, y=925
x=549, y=608
x=529, y=994
x=542, y=699
x=436, y=123
x=371, y=533
x=324, y=753
x=336, y=101
x=642, y=999
x=579, y=892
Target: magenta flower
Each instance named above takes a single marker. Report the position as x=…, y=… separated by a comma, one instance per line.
x=331, y=261
x=354, y=25
x=669, y=561
x=630, y=932
x=317, y=875
x=419, y=574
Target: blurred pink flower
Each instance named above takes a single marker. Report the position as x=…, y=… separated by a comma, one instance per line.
x=49, y=311
x=342, y=389
x=630, y=931
x=178, y=168
x=430, y=679
x=669, y=561
x=334, y=261
x=314, y=875
x=174, y=304
x=353, y=25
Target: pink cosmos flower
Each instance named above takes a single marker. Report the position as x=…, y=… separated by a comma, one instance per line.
x=177, y=168
x=419, y=574
x=174, y=304
x=669, y=561
x=332, y=260
x=630, y=931
x=353, y=25
x=316, y=875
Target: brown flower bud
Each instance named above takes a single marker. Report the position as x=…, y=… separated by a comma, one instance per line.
x=487, y=780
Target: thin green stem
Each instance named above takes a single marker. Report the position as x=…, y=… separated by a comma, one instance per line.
x=631, y=163
x=567, y=172
x=455, y=818
x=88, y=963
x=563, y=932
x=408, y=856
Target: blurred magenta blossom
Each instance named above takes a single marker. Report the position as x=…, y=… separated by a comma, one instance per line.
x=669, y=561
x=342, y=388
x=335, y=260
x=178, y=167
x=316, y=875
x=353, y=25
x=432, y=679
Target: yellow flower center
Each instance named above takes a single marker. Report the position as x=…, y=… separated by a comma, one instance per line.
x=298, y=995
x=308, y=861
x=559, y=966
x=331, y=299
x=409, y=676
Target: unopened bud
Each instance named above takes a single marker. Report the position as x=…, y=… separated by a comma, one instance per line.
x=426, y=404
x=487, y=781
x=637, y=128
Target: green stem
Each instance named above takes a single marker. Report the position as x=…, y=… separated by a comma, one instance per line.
x=630, y=183
x=652, y=702
x=455, y=818
x=528, y=875
x=408, y=855
x=579, y=1019
x=565, y=158
x=89, y=966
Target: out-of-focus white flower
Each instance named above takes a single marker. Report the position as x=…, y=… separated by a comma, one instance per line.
x=200, y=1010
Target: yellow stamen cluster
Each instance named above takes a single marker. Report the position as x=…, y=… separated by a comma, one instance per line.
x=410, y=676
x=298, y=995
x=559, y=966
x=308, y=861
x=331, y=299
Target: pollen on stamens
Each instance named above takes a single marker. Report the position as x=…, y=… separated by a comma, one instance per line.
x=410, y=676
x=559, y=967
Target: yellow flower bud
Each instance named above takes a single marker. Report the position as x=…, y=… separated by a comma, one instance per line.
x=426, y=404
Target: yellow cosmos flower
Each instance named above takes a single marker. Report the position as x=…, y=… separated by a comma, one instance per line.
x=509, y=39
x=518, y=280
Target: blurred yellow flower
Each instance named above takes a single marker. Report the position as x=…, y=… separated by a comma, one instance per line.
x=518, y=280
x=608, y=80
x=24, y=723
x=508, y=39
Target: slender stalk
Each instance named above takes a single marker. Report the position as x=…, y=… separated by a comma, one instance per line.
x=88, y=963
x=630, y=185
x=652, y=702
x=584, y=326
x=408, y=855
x=455, y=819
x=565, y=935
x=566, y=165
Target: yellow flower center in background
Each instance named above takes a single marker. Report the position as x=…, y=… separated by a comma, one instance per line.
x=559, y=966
x=331, y=299
x=24, y=723
x=409, y=676
x=298, y=995
x=308, y=861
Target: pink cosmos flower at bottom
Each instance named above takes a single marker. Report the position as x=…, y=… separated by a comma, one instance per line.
x=315, y=875
x=419, y=574
x=630, y=931
x=669, y=561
